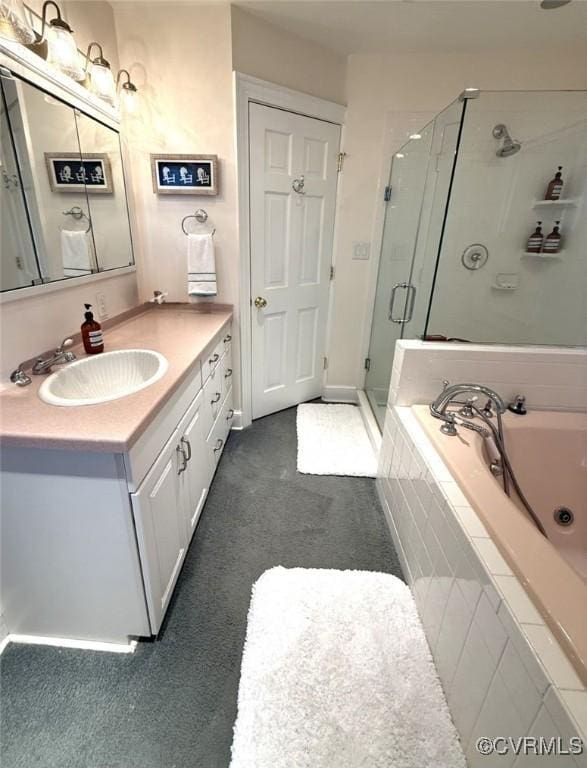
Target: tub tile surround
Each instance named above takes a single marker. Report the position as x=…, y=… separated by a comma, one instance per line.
x=549, y=377
x=502, y=670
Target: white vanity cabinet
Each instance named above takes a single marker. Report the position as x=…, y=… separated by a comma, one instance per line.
x=93, y=542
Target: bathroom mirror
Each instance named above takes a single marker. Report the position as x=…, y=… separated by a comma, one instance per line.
x=63, y=184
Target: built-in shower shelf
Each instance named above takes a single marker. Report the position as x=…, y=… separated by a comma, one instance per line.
x=556, y=204
x=544, y=256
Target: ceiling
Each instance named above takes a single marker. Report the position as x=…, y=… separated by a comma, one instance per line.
x=363, y=26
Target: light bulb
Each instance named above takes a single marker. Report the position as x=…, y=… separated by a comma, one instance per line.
x=13, y=23
x=102, y=81
x=62, y=51
x=129, y=98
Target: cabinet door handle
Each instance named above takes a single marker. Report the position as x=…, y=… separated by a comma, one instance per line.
x=228, y=373
x=229, y=415
x=179, y=449
x=214, y=359
x=219, y=445
x=217, y=397
x=227, y=338
x=188, y=445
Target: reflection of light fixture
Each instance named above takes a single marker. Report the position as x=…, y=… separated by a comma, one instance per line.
x=101, y=77
x=57, y=45
x=128, y=91
x=13, y=23
x=399, y=154
x=415, y=136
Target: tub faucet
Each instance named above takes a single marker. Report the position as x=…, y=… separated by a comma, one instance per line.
x=449, y=393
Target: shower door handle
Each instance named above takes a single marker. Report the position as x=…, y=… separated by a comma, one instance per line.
x=411, y=295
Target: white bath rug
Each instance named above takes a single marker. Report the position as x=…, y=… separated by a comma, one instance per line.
x=333, y=440
x=336, y=673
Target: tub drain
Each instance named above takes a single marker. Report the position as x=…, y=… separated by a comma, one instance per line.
x=564, y=516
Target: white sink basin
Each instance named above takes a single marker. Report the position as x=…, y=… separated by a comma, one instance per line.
x=103, y=377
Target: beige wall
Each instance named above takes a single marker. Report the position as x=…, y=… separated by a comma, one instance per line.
x=265, y=51
x=382, y=92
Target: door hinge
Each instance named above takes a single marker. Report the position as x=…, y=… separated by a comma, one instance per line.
x=340, y=162
x=367, y=363
x=325, y=363
x=387, y=194
x=331, y=272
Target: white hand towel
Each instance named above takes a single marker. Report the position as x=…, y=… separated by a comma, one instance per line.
x=201, y=265
x=75, y=253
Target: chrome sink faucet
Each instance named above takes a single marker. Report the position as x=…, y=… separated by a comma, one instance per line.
x=60, y=356
x=448, y=395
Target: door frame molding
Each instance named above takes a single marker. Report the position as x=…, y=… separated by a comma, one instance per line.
x=248, y=89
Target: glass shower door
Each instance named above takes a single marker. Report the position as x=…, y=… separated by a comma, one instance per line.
x=420, y=180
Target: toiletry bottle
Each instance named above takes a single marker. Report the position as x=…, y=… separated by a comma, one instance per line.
x=555, y=187
x=552, y=243
x=92, y=333
x=534, y=244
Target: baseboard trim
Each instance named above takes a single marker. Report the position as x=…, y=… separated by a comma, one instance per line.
x=336, y=394
x=237, y=421
x=64, y=642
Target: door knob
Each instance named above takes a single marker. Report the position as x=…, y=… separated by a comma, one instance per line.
x=260, y=302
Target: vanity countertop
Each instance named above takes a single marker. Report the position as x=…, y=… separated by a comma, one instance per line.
x=180, y=333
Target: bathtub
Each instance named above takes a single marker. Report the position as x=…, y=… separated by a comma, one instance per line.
x=548, y=452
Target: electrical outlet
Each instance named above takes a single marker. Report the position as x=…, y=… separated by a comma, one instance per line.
x=101, y=305
x=361, y=251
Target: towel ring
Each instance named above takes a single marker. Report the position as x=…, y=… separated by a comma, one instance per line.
x=200, y=216
x=77, y=213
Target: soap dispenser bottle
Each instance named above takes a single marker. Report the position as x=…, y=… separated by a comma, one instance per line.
x=555, y=187
x=534, y=243
x=92, y=333
x=552, y=243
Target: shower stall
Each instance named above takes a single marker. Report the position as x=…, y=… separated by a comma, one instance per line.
x=465, y=194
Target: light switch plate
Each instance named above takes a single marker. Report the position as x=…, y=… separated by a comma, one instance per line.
x=361, y=251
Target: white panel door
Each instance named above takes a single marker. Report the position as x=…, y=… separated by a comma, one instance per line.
x=291, y=253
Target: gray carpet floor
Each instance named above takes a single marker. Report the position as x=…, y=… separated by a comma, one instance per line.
x=172, y=704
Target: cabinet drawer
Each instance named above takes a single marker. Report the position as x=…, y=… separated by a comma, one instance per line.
x=214, y=393
x=212, y=359
x=227, y=370
x=217, y=437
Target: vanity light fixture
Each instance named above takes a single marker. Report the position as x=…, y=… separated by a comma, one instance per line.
x=13, y=23
x=415, y=136
x=57, y=45
x=399, y=154
x=128, y=91
x=101, y=79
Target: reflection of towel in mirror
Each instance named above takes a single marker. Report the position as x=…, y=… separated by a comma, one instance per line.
x=76, y=253
x=201, y=265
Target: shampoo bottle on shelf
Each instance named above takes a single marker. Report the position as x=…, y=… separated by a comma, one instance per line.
x=534, y=243
x=92, y=333
x=555, y=186
x=552, y=244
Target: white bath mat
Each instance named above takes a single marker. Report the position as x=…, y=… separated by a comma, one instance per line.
x=336, y=673
x=333, y=440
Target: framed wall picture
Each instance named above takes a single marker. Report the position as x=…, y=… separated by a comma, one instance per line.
x=70, y=172
x=185, y=174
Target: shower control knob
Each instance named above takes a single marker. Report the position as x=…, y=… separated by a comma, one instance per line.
x=260, y=302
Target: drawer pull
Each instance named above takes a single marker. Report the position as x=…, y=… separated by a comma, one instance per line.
x=219, y=445
x=188, y=445
x=227, y=338
x=229, y=415
x=228, y=373
x=214, y=359
x=217, y=397
x=179, y=449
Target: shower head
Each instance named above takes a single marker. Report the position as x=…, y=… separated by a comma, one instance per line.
x=510, y=146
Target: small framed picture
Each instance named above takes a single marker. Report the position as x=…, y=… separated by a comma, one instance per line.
x=185, y=174
x=70, y=172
